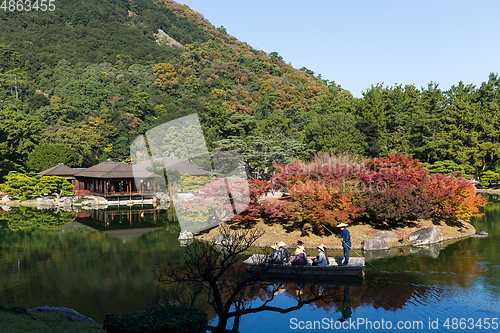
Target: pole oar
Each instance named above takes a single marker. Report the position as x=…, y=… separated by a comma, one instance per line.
x=356, y=252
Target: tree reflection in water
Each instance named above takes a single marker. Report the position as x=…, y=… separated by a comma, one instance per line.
x=215, y=279
x=208, y=274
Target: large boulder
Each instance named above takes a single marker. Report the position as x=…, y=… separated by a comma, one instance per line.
x=162, y=200
x=387, y=235
x=374, y=244
x=221, y=239
x=425, y=236
x=481, y=234
x=70, y=314
x=185, y=235
x=185, y=238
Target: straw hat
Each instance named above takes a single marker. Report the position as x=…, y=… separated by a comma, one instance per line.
x=300, y=249
x=275, y=246
x=322, y=247
x=281, y=244
x=342, y=225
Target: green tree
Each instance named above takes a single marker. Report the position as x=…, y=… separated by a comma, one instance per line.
x=447, y=167
x=260, y=155
x=488, y=177
x=460, y=136
x=334, y=133
x=19, y=134
x=18, y=184
x=46, y=156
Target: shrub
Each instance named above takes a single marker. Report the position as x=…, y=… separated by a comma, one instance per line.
x=82, y=193
x=397, y=203
x=453, y=197
x=192, y=183
x=488, y=177
x=258, y=188
x=447, y=166
x=170, y=319
x=393, y=188
x=321, y=193
x=394, y=169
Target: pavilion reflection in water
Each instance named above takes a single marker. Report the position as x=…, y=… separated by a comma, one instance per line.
x=124, y=224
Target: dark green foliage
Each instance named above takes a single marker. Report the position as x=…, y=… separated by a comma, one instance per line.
x=158, y=168
x=168, y=319
x=369, y=129
x=447, y=167
x=19, y=133
x=334, y=133
x=46, y=156
x=103, y=29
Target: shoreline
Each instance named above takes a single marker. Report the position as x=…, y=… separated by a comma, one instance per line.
x=488, y=190
x=359, y=232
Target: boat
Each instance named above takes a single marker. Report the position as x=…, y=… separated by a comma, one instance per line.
x=335, y=271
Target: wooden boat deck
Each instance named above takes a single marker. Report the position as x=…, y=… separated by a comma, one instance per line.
x=257, y=263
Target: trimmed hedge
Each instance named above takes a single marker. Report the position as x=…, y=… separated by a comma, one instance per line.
x=168, y=319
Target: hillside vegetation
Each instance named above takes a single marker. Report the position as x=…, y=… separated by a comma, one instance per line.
x=91, y=76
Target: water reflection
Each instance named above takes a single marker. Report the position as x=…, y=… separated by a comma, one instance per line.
x=430, y=250
x=57, y=259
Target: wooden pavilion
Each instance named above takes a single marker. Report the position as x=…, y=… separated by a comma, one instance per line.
x=111, y=180
x=61, y=170
x=116, y=179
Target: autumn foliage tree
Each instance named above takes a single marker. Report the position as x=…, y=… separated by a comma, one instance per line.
x=392, y=189
x=452, y=197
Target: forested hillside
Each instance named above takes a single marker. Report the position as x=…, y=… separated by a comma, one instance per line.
x=91, y=76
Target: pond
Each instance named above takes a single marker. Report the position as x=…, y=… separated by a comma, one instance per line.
x=103, y=262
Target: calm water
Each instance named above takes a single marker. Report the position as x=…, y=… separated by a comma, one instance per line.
x=103, y=262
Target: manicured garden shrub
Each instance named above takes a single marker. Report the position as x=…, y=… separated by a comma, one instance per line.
x=82, y=193
x=453, y=197
x=396, y=204
x=488, y=177
x=168, y=319
x=394, y=188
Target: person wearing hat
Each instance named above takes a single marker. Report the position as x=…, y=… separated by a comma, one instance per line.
x=277, y=256
x=300, y=256
x=346, y=241
x=346, y=305
x=284, y=252
x=322, y=259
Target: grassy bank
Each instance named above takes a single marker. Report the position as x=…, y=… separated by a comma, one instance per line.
x=275, y=232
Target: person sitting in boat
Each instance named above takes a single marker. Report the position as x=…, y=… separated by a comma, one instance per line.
x=300, y=256
x=284, y=252
x=277, y=256
x=321, y=259
x=346, y=241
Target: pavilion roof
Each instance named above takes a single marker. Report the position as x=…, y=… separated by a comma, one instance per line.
x=185, y=168
x=59, y=170
x=109, y=170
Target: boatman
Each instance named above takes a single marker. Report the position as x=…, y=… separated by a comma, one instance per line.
x=346, y=241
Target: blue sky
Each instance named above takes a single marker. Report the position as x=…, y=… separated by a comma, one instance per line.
x=360, y=43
